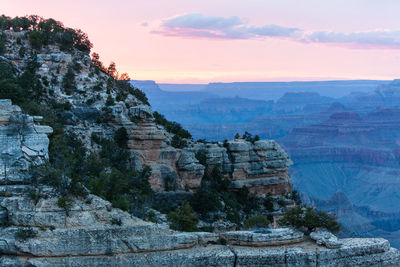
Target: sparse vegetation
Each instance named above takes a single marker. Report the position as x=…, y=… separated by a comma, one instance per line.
x=178, y=142
x=309, y=219
x=3, y=41
x=250, y=138
x=65, y=203
x=47, y=31
x=170, y=126
x=25, y=234
x=201, y=157
x=183, y=218
x=256, y=221
x=121, y=137
x=68, y=82
x=107, y=170
x=180, y=134
x=110, y=101
x=36, y=40
x=170, y=183
x=116, y=221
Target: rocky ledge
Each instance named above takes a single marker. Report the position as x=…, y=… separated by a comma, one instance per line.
x=261, y=166
x=93, y=233
x=109, y=248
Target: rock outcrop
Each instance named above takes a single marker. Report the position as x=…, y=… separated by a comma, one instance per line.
x=261, y=166
x=22, y=142
x=37, y=232
x=326, y=238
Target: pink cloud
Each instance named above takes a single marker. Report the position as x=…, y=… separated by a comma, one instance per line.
x=200, y=26
x=212, y=27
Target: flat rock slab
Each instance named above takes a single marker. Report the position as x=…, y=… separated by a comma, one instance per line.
x=326, y=238
x=271, y=237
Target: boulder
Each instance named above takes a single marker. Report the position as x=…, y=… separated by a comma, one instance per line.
x=326, y=238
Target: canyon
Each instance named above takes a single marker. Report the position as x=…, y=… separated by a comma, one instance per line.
x=344, y=147
x=41, y=227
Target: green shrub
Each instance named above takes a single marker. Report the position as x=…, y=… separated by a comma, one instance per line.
x=201, y=157
x=110, y=101
x=98, y=87
x=121, y=137
x=21, y=51
x=178, y=142
x=68, y=82
x=170, y=183
x=116, y=221
x=36, y=40
x=217, y=179
x=65, y=203
x=212, y=191
x=205, y=200
x=310, y=219
x=106, y=115
x=35, y=196
x=90, y=101
x=183, y=218
x=171, y=127
x=225, y=144
x=76, y=66
x=269, y=203
x=281, y=202
x=222, y=241
x=249, y=137
x=25, y=234
x=3, y=42
x=121, y=96
x=256, y=221
x=295, y=197
x=139, y=95
x=151, y=216
x=47, y=31
x=121, y=203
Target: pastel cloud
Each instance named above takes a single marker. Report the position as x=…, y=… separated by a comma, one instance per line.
x=200, y=26
x=368, y=39
x=213, y=27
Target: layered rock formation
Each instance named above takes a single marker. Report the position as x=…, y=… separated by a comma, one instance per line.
x=261, y=166
x=355, y=157
x=91, y=233
x=22, y=142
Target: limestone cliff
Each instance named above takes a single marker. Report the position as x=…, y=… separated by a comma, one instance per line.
x=37, y=232
x=261, y=166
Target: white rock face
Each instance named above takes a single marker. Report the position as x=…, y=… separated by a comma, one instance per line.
x=22, y=142
x=271, y=237
x=326, y=238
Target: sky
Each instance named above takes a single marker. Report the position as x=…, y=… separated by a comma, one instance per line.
x=186, y=41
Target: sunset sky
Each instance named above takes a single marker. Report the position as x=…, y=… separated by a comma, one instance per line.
x=184, y=41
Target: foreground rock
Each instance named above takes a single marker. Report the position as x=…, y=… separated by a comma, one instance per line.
x=269, y=237
x=326, y=238
x=355, y=252
x=22, y=142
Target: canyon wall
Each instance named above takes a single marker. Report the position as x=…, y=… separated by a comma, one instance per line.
x=92, y=233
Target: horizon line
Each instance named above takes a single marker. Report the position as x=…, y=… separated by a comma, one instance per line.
x=266, y=81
